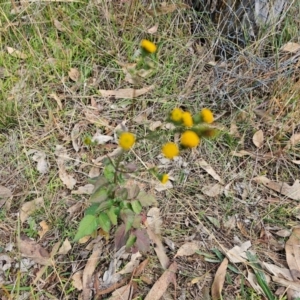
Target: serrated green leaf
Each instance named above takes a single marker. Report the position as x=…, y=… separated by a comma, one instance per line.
x=127, y=216
x=86, y=226
x=122, y=193
x=146, y=199
x=99, y=195
x=109, y=172
x=130, y=241
x=92, y=209
x=136, y=206
x=112, y=215
x=104, y=221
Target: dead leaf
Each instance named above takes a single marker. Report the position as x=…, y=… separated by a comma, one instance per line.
x=75, y=136
x=292, y=192
x=242, y=153
x=166, y=9
x=34, y=251
x=42, y=164
x=219, y=279
x=59, y=26
x=77, y=280
x=126, y=93
x=205, y=166
x=253, y=282
x=141, y=267
x=278, y=271
x=292, y=251
x=124, y=292
x=84, y=190
x=237, y=254
x=234, y=130
x=65, y=247
x=74, y=74
x=290, y=47
x=258, y=138
x=45, y=228
x=187, y=249
x=213, y=190
x=57, y=99
x=160, y=187
x=154, y=125
x=153, y=29
x=289, y=284
x=155, y=238
x=29, y=207
x=5, y=192
x=88, y=272
x=134, y=262
x=283, y=233
x=16, y=53
x=154, y=220
x=101, y=139
x=161, y=285
x=295, y=139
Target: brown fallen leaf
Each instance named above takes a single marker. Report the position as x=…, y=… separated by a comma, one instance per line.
x=124, y=292
x=251, y=278
x=290, y=47
x=84, y=190
x=258, y=138
x=77, y=280
x=292, y=251
x=187, y=249
x=219, y=279
x=40, y=158
x=74, y=74
x=166, y=9
x=57, y=99
x=88, y=272
x=278, y=271
x=213, y=190
x=59, y=26
x=153, y=29
x=5, y=192
x=205, y=166
x=126, y=93
x=29, y=207
x=45, y=228
x=289, y=284
x=294, y=140
x=34, y=251
x=283, y=188
x=237, y=253
x=141, y=267
x=16, y=53
x=65, y=247
x=134, y=262
x=161, y=285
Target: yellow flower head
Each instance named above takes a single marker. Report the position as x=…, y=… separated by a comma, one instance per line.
x=187, y=119
x=170, y=150
x=176, y=114
x=190, y=139
x=126, y=140
x=207, y=116
x=164, y=178
x=148, y=46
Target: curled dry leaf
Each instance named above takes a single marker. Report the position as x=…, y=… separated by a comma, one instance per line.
x=294, y=140
x=292, y=250
x=237, y=254
x=59, y=26
x=126, y=93
x=205, y=166
x=42, y=164
x=57, y=99
x=65, y=247
x=283, y=188
x=187, y=249
x=166, y=9
x=45, y=228
x=74, y=74
x=75, y=136
x=290, y=47
x=77, y=280
x=213, y=190
x=161, y=285
x=258, y=138
x=84, y=190
x=16, y=53
x=29, y=207
x=34, y=251
x=219, y=279
x=134, y=262
x=101, y=139
x=153, y=29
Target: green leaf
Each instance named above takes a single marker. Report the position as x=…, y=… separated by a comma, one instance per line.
x=130, y=241
x=104, y=221
x=99, y=181
x=109, y=172
x=146, y=199
x=86, y=227
x=92, y=209
x=112, y=215
x=122, y=193
x=127, y=216
x=136, y=206
x=214, y=221
x=99, y=195
x=133, y=191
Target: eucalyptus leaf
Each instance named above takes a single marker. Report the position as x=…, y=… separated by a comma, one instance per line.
x=86, y=227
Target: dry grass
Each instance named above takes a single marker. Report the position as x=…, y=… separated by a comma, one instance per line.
x=257, y=88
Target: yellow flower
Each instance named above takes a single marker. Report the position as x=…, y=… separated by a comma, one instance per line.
x=176, y=114
x=207, y=115
x=170, y=150
x=148, y=46
x=164, y=178
x=190, y=139
x=187, y=119
x=126, y=140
